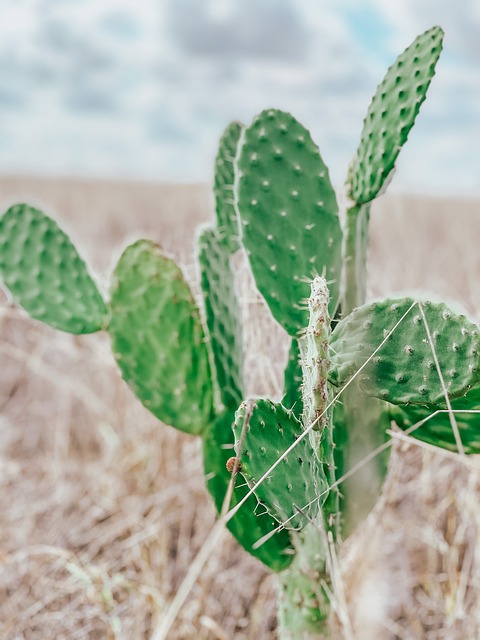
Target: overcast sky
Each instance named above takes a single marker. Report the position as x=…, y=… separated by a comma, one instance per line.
x=144, y=88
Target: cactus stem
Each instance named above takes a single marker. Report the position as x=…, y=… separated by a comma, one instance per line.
x=304, y=602
x=315, y=359
x=355, y=257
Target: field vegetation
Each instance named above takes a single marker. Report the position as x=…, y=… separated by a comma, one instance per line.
x=104, y=511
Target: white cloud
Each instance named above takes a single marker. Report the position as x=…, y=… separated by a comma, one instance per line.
x=144, y=89
x=270, y=29
x=460, y=21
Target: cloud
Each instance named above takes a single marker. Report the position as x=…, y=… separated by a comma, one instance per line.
x=212, y=79
x=461, y=22
x=270, y=29
x=145, y=90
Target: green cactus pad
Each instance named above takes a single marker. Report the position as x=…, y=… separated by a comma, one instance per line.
x=392, y=114
x=292, y=385
x=289, y=216
x=224, y=180
x=158, y=339
x=44, y=273
x=298, y=480
x=403, y=371
x=438, y=430
x=251, y=522
x=223, y=316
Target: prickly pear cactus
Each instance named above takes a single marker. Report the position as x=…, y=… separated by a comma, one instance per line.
x=411, y=361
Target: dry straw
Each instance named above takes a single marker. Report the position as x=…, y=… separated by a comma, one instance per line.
x=103, y=513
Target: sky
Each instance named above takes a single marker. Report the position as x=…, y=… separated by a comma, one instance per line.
x=142, y=89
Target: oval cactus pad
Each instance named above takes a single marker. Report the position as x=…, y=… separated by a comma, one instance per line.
x=392, y=114
x=298, y=480
x=158, y=339
x=403, y=370
x=44, y=273
x=252, y=522
x=289, y=216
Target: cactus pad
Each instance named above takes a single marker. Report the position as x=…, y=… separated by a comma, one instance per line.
x=392, y=114
x=158, y=339
x=223, y=316
x=44, y=273
x=297, y=480
x=289, y=216
x=403, y=371
x=251, y=522
x=227, y=223
x=438, y=429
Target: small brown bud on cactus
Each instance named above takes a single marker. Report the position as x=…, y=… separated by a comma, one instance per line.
x=231, y=462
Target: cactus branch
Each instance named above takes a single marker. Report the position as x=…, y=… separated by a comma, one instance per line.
x=355, y=258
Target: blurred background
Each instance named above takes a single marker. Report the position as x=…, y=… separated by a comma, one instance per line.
x=124, y=89
x=110, y=116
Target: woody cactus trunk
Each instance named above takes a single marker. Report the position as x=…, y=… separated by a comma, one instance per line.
x=353, y=367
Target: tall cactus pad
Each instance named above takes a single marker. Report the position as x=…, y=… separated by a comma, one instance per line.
x=227, y=222
x=223, y=316
x=392, y=114
x=403, y=371
x=289, y=216
x=44, y=273
x=437, y=430
x=298, y=480
x=251, y=522
x=158, y=340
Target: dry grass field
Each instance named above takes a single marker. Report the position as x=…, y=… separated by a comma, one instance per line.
x=103, y=510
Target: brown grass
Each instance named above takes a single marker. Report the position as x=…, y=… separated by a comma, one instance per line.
x=104, y=510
